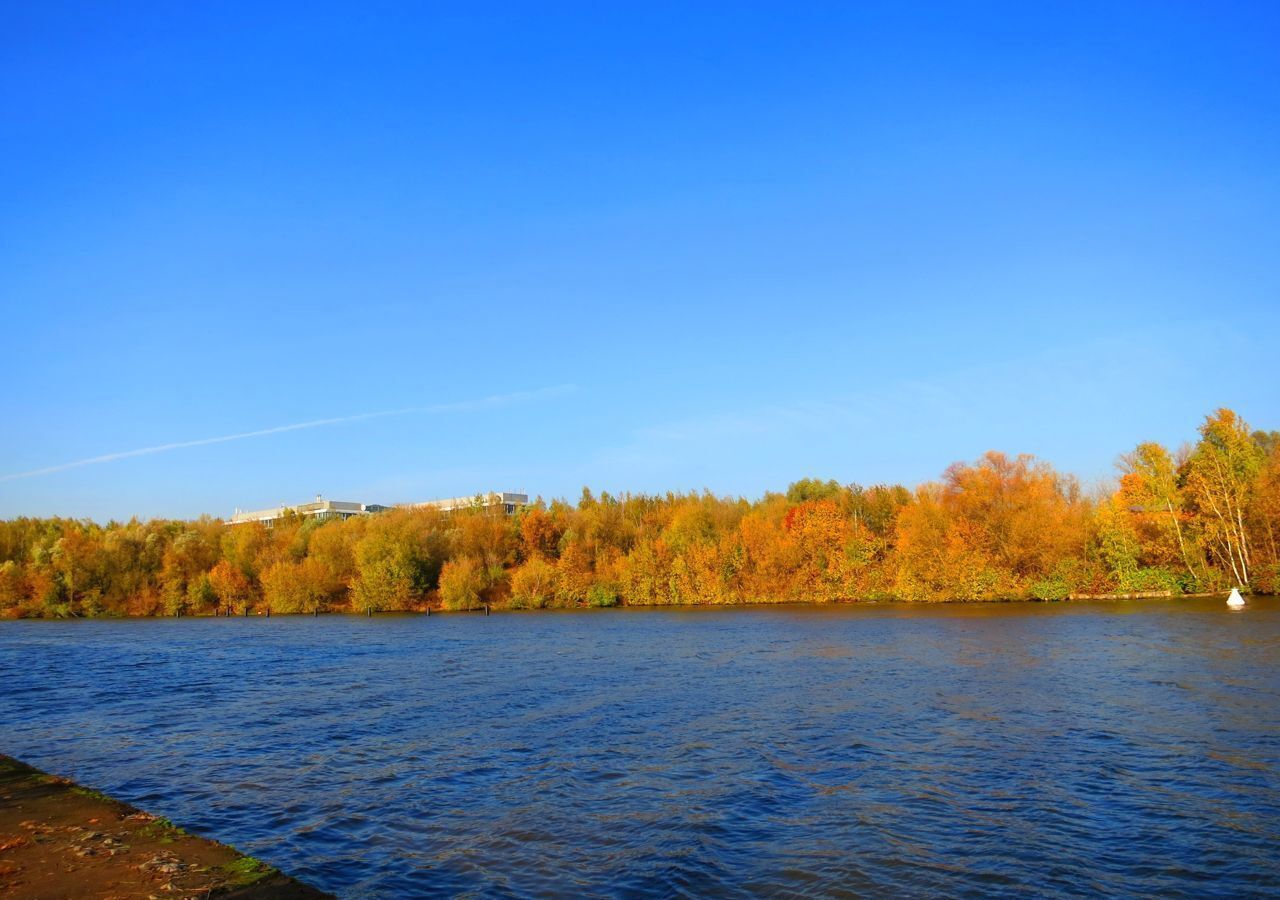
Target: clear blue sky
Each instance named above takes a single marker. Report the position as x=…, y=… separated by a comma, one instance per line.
x=720, y=246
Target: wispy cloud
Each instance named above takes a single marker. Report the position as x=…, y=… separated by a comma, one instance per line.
x=430, y=409
x=909, y=427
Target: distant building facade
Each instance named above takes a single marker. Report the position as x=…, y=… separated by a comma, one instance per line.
x=319, y=509
x=505, y=502
x=497, y=501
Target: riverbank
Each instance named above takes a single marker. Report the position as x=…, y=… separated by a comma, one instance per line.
x=437, y=609
x=58, y=839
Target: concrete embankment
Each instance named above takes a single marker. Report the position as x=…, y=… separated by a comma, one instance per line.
x=59, y=840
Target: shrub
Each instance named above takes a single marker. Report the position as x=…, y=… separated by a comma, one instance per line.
x=533, y=584
x=1064, y=579
x=200, y=596
x=1150, y=579
x=601, y=595
x=1051, y=587
x=462, y=582
x=303, y=587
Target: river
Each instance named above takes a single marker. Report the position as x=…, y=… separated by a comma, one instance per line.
x=1122, y=748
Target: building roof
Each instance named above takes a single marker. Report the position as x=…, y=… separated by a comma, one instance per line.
x=319, y=506
x=491, y=498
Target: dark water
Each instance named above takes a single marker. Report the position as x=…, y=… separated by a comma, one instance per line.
x=1120, y=748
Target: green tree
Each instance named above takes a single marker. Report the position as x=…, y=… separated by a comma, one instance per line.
x=807, y=489
x=399, y=558
x=200, y=597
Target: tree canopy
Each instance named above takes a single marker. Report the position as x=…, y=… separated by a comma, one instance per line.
x=1001, y=527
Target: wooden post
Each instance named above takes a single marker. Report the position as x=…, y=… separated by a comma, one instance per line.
x=486, y=609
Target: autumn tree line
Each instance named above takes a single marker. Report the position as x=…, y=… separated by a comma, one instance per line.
x=1204, y=518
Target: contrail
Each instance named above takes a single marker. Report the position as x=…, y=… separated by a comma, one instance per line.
x=460, y=406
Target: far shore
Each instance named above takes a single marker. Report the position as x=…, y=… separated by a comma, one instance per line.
x=999, y=529
x=426, y=610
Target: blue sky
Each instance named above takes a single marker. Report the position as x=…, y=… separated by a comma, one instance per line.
x=638, y=247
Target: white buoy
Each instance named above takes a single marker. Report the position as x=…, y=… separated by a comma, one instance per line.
x=1235, y=601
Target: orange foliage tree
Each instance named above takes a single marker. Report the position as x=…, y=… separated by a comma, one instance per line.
x=1001, y=527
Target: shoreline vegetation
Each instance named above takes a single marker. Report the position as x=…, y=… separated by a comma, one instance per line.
x=1199, y=520
x=57, y=839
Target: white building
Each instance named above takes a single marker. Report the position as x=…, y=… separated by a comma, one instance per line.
x=506, y=501
x=320, y=509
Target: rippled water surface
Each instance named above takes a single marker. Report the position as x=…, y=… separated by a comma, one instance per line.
x=1128, y=748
